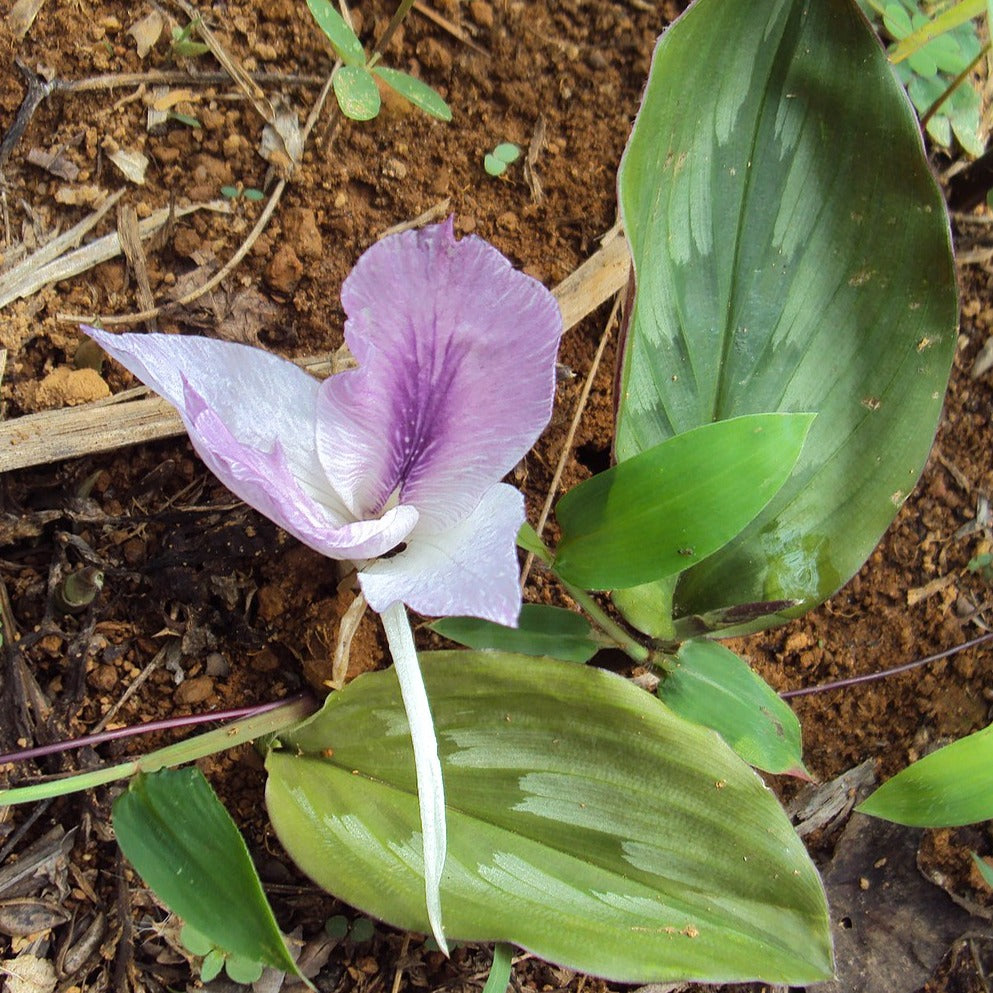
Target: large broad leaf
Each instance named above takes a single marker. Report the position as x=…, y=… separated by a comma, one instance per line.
x=664, y=509
x=709, y=684
x=182, y=841
x=948, y=788
x=792, y=253
x=586, y=823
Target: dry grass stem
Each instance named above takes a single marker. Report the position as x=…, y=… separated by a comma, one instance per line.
x=51, y=436
x=570, y=437
x=446, y=25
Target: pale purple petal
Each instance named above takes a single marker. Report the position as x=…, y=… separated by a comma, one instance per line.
x=427, y=765
x=260, y=398
x=471, y=569
x=264, y=481
x=456, y=376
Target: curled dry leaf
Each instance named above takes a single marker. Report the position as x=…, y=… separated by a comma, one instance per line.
x=147, y=31
x=54, y=162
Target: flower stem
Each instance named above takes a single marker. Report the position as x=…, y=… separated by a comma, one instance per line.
x=223, y=738
x=607, y=624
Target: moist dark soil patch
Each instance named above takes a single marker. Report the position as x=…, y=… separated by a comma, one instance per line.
x=233, y=612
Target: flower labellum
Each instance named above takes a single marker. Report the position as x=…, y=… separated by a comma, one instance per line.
x=455, y=381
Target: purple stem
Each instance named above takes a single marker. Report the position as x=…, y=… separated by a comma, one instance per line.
x=869, y=677
x=165, y=724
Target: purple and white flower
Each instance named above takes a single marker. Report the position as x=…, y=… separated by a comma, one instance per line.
x=403, y=455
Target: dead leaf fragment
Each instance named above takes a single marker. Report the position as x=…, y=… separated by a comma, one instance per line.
x=984, y=360
x=87, y=195
x=29, y=974
x=54, y=162
x=163, y=101
x=27, y=915
x=282, y=141
x=22, y=16
x=147, y=31
x=889, y=937
x=132, y=164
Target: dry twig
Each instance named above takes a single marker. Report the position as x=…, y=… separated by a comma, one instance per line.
x=50, y=436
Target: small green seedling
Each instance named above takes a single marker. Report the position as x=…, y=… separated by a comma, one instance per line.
x=183, y=47
x=360, y=930
x=187, y=119
x=983, y=564
x=239, y=969
x=496, y=162
x=355, y=86
x=242, y=193
x=985, y=870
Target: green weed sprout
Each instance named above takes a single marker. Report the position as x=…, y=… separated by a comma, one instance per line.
x=505, y=154
x=933, y=73
x=355, y=81
x=239, y=969
x=983, y=564
x=985, y=870
x=182, y=46
x=242, y=193
x=360, y=930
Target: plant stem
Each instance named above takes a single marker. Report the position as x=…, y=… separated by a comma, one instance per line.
x=607, y=624
x=166, y=724
x=270, y=722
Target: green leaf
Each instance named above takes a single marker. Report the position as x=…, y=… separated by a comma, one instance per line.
x=670, y=507
x=948, y=788
x=586, y=823
x=418, y=93
x=212, y=964
x=494, y=166
x=985, y=869
x=541, y=630
x=649, y=607
x=194, y=942
x=242, y=970
x=507, y=152
x=961, y=12
x=356, y=92
x=498, y=980
x=710, y=685
x=527, y=538
x=343, y=39
x=187, y=119
x=184, y=845
x=774, y=276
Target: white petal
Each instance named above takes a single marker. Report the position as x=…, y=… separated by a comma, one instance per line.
x=468, y=570
x=430, y=786
x=260, y=398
